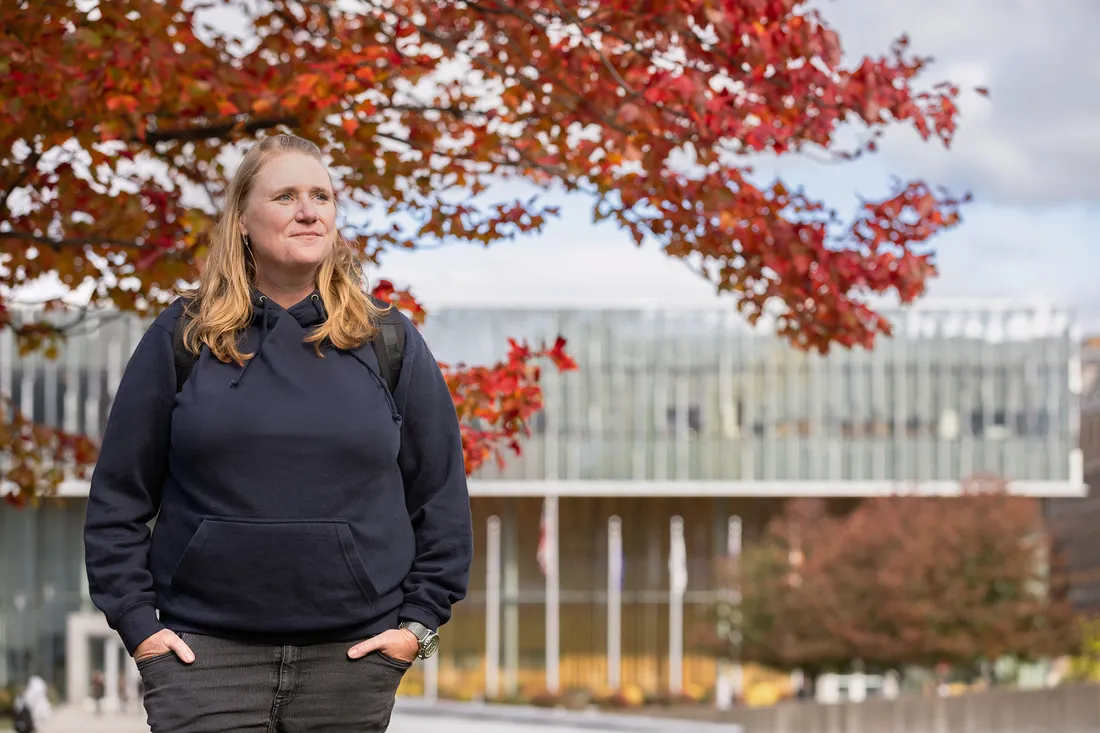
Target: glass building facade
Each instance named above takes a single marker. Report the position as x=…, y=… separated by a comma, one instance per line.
x=694, y=395
x=691, y=395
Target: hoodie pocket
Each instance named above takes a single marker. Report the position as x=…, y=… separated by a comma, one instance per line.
x=269, y=575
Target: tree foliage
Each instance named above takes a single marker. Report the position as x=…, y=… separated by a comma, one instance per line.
x=119, y=121
x=906, y=580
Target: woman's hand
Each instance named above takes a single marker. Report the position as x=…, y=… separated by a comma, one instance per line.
x=400, y=644
x=162, y=642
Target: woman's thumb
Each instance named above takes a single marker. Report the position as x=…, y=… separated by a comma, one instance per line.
x=179, y=646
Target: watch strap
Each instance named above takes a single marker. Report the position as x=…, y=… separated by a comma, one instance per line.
x=426, y=639
x=420, y=631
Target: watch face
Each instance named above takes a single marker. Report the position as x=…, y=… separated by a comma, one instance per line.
x=429, y=645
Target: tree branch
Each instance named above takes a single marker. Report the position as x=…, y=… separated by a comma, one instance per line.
x=29, y=166
x=193, y=134
x=71, y=241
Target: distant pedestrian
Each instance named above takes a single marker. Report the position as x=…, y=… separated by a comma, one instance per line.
x=99, y=689
x=299, y=448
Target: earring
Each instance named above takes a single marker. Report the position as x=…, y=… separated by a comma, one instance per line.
x=247, y=241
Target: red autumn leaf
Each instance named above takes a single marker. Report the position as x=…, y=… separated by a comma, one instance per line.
x=403, y=299
x=557, y=354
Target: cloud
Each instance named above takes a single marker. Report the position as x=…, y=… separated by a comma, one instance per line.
x=1034, y=140
x=1000, y=253
x=573, y=262
x=1022, y=254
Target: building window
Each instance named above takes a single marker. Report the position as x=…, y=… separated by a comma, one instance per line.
x=915, y=427
x=1032, y=424
x=694, y=419
x=537, y=423
x=999, y=429
x=791, y=428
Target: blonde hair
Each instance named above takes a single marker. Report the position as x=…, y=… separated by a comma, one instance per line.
x=221, y=307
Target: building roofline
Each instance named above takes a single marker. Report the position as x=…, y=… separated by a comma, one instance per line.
x=944, y=305
x=718, y=304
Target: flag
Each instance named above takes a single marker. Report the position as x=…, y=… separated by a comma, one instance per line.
x=615, y=552
x=541, y=553
x=547, y=549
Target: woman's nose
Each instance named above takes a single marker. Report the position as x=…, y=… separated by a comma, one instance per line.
x=306, y=212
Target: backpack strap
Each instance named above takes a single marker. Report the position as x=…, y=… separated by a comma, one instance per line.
x=388, y=345
x=185, y=360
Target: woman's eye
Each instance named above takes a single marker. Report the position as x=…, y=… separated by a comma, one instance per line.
x=283, y=197
x=323, y=196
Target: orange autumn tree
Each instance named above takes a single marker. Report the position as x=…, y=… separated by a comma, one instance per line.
x=118, y=121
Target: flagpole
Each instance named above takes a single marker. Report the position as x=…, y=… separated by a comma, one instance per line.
x=492, y=609
x=614, y=602
x=553, y=599
x=677, y=585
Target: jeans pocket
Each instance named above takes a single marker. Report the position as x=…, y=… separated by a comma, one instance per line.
x=393, y=662
x=146, y=661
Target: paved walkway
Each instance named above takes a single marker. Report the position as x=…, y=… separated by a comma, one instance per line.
x=73, y=721
x=418, y=717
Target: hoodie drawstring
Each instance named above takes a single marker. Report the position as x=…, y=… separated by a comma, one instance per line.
x=319, y=306
x=263, y=337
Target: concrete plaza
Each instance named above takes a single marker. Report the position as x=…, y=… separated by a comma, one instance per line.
x=75, y=721
x=418, y=716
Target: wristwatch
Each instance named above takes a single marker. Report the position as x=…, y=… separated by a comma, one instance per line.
x=428, y=639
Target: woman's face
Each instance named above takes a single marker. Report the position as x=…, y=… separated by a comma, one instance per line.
x=290, y=215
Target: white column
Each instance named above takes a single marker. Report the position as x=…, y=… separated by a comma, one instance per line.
x=614, y=602
x=677, y=585
x=112, y=647
x=730, y=674
x=492, y=609
x=77, y=671
x=431, y=678
x=510, y=591
x=132, y=677
x=553, y=600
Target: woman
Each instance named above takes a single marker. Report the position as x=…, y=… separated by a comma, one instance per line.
x=313, y=528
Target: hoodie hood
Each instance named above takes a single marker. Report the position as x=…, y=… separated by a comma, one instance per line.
x=308, y=313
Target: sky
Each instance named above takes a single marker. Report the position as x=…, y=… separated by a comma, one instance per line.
x=1029, y=154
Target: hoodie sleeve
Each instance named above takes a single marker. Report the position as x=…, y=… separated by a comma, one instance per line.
x=126, y=487
x=436, y=494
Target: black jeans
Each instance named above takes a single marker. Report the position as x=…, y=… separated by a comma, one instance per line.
x=237, y=687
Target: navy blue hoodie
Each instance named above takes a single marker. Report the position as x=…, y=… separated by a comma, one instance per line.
x=296, y=499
